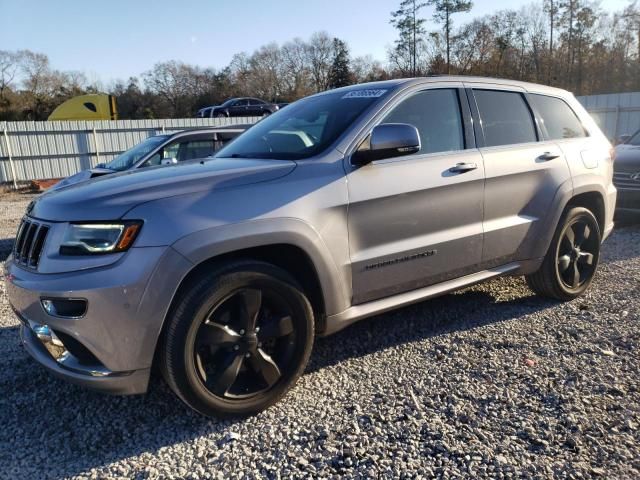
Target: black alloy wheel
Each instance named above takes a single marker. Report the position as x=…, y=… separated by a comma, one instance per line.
x=237, y=338
x=245, y=345
x=571, y=261
x=577, y=254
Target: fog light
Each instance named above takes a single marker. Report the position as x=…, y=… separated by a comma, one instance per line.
x=50, y=341
x=49, y=307
x=64, y=307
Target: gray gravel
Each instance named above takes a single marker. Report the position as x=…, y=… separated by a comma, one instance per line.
x=487, y=382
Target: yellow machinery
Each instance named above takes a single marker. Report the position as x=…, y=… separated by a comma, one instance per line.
x=95, y=106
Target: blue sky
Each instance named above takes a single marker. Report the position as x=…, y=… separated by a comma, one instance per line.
x=119, y=38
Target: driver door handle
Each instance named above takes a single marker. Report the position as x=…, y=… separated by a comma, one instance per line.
x=463, y=167
x=546, y=156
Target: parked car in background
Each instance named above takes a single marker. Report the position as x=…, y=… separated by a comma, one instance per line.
x=162, y=150
x=240, y=107
x=346, y=204
x=626, y=174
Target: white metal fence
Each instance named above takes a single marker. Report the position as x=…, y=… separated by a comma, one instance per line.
x=36, y=150
x=615, y=113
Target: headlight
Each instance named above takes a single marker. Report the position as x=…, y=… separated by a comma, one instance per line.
x=99, y=238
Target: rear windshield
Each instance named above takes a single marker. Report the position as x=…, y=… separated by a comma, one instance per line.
x=305, y=128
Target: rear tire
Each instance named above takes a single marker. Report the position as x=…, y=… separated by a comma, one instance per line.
x=237, y=339
x=571, y=262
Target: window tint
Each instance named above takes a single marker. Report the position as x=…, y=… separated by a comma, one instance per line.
x=558, y=118
x=436, y=115
x=195, y=149
x=506, y=118
x=182, y=151
x=255, y=101
x=306, y=127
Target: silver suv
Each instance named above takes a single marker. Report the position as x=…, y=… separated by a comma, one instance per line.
x=343, y=205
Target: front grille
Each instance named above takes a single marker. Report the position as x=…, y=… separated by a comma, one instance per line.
x=624, y=180
x=30, y=243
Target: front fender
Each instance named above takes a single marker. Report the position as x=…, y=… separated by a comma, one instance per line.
x=212, y=242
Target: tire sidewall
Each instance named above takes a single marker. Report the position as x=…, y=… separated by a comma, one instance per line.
x=188, y=320
x=571, y=217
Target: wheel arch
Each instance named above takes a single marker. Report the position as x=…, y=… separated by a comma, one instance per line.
x=289, y=243
x=291, y=258
x=590, y=196
x=594, y=202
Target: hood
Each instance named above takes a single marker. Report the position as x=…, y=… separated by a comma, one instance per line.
x=82, y=176
x=109, y=197
x=627, y=158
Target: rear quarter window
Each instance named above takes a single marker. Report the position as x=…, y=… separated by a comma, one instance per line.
x=559, y=119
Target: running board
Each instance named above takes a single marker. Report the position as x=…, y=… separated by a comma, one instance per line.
x=352, y=314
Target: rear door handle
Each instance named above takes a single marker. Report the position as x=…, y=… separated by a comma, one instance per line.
x=546, y=156
x=463, y=167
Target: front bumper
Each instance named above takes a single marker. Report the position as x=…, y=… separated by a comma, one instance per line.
x=111, y=347
x=128, y=383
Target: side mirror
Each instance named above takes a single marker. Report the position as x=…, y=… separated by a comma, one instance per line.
x=387, y=141
x=623, y=139
x=169, y=161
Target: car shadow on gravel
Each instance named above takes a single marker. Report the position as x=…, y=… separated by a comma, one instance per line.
x=63, y=430
x=454, y=312
x=6, y=245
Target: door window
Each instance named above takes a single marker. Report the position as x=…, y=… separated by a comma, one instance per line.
x=183, y=151
x=195, y=149
x=558, y=118
x=506, y=118
x=436, y=115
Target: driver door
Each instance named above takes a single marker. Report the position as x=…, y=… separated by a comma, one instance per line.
x=412, y=221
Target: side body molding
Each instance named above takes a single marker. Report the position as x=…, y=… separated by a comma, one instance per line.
x=205, y=244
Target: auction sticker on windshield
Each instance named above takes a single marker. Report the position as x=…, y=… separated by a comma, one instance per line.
x=365, y=93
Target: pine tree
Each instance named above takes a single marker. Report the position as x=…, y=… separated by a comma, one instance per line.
x=444, y=9
x=410, y=29
x=340, y=74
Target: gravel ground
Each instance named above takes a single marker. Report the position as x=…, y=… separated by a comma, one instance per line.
x=488, y=382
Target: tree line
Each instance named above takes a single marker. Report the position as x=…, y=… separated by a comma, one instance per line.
x=572, y=44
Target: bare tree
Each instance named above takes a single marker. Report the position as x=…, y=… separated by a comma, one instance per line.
x=177, y=83
x=319, y=53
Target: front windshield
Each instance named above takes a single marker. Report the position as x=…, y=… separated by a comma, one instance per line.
x=303, y=129
x=127, y=159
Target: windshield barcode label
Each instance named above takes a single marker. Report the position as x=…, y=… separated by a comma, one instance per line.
x=365, y=93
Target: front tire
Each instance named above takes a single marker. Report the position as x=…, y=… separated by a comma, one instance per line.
x=572, y=259
x=237, y=339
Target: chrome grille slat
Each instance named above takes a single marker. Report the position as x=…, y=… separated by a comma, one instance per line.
x=38, y=246
x=26, y=245
x=30, y=241
x=19, y=239
x=623, y=180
